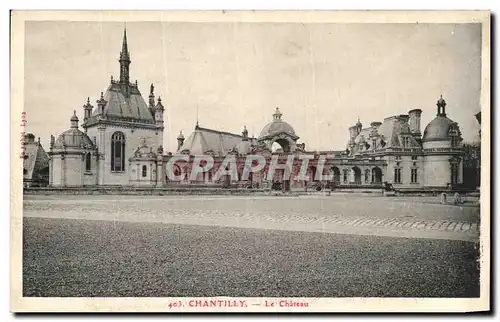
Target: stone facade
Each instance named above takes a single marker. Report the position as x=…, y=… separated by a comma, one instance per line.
x=121, y=145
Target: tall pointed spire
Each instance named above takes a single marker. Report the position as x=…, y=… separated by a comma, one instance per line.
x=124, y=60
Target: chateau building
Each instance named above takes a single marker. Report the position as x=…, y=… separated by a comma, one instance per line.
x=121, y=144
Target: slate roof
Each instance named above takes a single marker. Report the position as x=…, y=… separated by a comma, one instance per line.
x=202, y=140
x=389, y=132
x=35, y=160
x=123, y=105
x=438, y=129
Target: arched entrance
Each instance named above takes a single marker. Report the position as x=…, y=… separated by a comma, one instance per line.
x=281, y=146
x=336, y=175
x=356, y=175
x=376, y=175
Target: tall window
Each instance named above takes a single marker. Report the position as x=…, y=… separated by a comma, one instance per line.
x=397, y=175
x=118, y=152
x=414, y=175
x=345, y=175
x=88, y=162
x=144, y=171
x=454, y=141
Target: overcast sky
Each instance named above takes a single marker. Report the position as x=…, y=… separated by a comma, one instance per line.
x=322, y=76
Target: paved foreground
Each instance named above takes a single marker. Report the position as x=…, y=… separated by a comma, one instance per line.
x=67, y=257
x=341, y=214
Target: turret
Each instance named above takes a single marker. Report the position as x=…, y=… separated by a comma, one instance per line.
x=159, y=109
x=151, y=104
x=74, y=121
x=441, y=105
x=180, y=141
x=101, y=104
x=87, y=110
x=52, y=141
x=277, y=114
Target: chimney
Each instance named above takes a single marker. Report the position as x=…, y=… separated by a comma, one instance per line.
x=404, y=118
x=415, y=122
x=374, y=130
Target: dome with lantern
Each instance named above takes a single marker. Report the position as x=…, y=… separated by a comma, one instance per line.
x=277, y=126
x=439, y=128
x=73, y=137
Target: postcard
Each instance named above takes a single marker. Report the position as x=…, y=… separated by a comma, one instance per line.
x=250, y=161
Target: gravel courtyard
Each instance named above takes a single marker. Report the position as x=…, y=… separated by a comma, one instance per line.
x=338, y=246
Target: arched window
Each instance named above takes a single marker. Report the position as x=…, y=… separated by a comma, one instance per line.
x=144, y=171
x=118, y=152
x=88, y=162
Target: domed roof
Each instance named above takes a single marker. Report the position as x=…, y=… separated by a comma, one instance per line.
x=437, y=129
x=73, y=137
x=277, y=126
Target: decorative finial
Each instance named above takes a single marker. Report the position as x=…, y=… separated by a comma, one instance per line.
x=74, y=112
x=151, y=89
x=136, y=83
x=159, y=99
x=38, y=140
x=88, y=100
x=102, y=95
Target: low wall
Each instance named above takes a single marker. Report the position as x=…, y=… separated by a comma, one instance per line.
x=142, y=191
x=214, y=190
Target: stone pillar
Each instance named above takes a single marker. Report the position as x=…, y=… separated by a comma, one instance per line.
x=160, y=176
x=100, y=179
x=461, y=171
x=63, y=170
x=95, y=168
x=102, y=154
x=138, y=171
x=51, y=168
x=82, y=169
